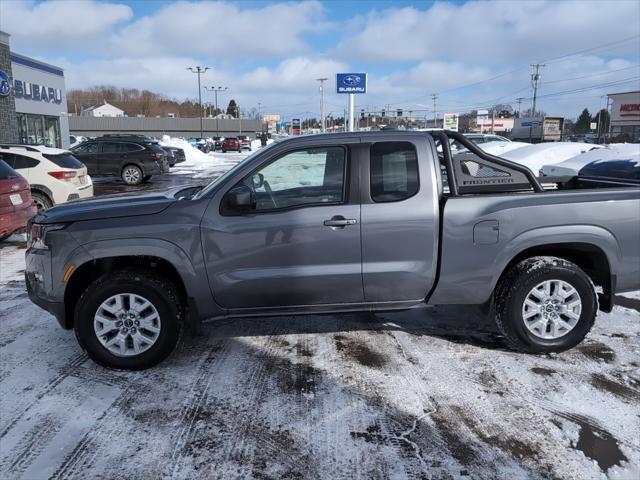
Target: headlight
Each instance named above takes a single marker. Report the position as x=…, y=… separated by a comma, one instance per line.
x=37, y=234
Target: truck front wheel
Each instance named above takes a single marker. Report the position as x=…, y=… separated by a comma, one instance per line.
x=128, y=320
x=545, y=304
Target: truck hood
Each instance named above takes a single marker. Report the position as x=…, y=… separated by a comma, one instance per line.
x=108, y=206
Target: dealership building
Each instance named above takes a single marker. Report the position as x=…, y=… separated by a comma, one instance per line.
x=33, y=101
x=625, y=114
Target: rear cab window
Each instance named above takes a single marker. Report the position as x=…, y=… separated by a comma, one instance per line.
x=393, y=171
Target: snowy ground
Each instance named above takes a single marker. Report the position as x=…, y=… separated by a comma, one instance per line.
x=427, y=393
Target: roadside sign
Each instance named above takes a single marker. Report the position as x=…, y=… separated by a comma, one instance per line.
x=351, y=83
x=450, y=121
x=593, y=125
x=295, y=126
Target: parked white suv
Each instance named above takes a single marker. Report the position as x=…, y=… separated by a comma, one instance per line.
x=54, y=175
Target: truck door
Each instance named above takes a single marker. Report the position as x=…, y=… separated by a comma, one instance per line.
x=300, y=245
x=400, y=210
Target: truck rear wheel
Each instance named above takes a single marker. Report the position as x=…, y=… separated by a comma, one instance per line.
x=545, y=304
x=128, y=320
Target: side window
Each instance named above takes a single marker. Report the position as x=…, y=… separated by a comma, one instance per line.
x=394, y=171
x=110, y=147
x=304, y=177
x=21, y=161
x=131, y=147
x=87, y=148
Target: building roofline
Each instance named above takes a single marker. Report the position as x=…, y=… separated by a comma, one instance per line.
x=37, y=64
x=622, y=93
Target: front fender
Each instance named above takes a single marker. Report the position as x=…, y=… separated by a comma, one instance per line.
x=193, y=278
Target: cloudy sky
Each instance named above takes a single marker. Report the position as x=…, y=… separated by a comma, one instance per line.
x=472, y=54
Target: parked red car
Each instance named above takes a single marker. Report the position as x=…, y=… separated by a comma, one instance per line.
x=231, y=143
x=16, y=204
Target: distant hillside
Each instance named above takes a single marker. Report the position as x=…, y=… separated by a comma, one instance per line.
x=131, y=100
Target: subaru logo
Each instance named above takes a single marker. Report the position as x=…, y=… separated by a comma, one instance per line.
x=5, y=84
x=351, y=80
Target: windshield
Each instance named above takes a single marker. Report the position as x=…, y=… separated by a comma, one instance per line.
x=230, y=172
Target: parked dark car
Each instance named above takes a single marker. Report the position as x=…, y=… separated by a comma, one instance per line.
x=245, y=142
x=609, y=173
x=134, y=158
x=174, y=155
x=16, y=204
x=217, y=143
x=231, y=143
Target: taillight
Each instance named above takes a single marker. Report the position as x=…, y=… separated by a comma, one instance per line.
x=156, y=155
x=65, y=175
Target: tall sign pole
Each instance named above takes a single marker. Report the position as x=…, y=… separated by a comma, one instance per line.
x=352, y=112
x=351, y=84
x=322, y=119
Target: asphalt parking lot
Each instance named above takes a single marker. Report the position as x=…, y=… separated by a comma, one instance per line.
x=424, y=393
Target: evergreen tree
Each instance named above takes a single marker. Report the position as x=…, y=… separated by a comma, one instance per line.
x=583, y=124
x=232, y=109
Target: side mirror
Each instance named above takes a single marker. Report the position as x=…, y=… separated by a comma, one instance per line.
x=240, y=199
x=257, y=180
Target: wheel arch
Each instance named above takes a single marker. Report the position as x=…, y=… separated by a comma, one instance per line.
x=591, y=258
x=44, y=190
x=159, y=257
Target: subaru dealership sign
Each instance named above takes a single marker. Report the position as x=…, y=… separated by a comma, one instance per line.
x=351, y=83
x=5, y=84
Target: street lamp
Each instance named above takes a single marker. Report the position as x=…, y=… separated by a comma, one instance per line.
x=199, y=70
x=215, y=90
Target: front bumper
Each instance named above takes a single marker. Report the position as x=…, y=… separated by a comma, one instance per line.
x=38, y=278
x=36, y=295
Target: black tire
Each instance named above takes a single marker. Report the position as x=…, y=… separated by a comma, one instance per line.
x=146, y=178
x=5, y=236
x=132, y=175
x=224, y=151
x=518, y=282
x=158, y=291
x=41, y=200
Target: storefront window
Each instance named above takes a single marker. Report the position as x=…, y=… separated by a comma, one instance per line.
x=39, y=130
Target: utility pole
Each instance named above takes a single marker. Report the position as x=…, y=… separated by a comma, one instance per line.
x=322, y=120
x=535, y=79
x=519, y=100
x=434, y=97
x=215, y=91
x=199, y=70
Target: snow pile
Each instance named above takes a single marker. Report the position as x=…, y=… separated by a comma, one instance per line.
x=194, y=157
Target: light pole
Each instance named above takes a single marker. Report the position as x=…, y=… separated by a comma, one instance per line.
x=215, y=91
x=199, y=70
x=322, y=121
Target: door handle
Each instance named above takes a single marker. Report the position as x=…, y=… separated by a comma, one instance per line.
x=340, y=222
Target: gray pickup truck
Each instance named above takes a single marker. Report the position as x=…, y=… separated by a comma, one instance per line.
x=327, y=223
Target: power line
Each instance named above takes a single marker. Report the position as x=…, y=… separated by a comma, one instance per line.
x=549, y=82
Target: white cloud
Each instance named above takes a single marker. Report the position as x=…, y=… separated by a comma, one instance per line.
x=55, y=25
x=492, y=33
x=221, y=30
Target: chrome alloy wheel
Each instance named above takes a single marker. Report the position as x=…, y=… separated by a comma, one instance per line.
x=131, y=175
x=127, y=324
x=551, y=309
